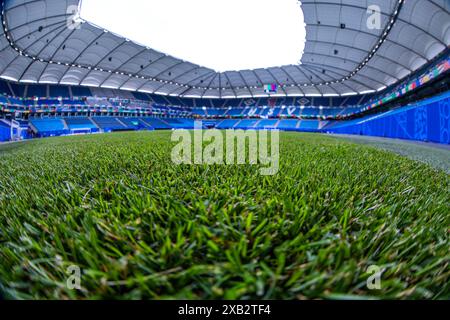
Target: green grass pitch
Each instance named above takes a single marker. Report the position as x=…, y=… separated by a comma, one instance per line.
x=140, y=227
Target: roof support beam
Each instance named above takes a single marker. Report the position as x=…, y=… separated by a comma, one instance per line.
x=292, y=79
x=231, y=86
x=246, y=84
x=333, y=69
x=364, y=9
x=355, y=62
x=361, y=50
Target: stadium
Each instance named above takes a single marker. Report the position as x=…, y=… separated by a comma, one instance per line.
x=93, y=206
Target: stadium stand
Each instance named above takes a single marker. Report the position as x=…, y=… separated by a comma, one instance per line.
x=199, y=112
x=4, y=100
x=135, y=123
x=81, y=125
x=216, y=112
x=246, y=124
x=309, y=125
x=267, y=124
x=426, y=120
x=48, y=127
x=227, y=124
x=288, y=125
x=109, y=124
x=180, y=123
x=235, y=112
x=157, y=124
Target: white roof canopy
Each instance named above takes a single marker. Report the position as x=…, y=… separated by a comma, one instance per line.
x=42, y=41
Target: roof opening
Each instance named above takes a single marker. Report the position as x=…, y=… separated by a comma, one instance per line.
x=222, y=35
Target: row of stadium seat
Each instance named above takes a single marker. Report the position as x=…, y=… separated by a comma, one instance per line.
x=95, y=105
x=49, y=127
x=109, y=124
x=44, y=91
x=44, y=127
x=397, y=123
x=61, y=126
x=286, y=124
x=80, y=123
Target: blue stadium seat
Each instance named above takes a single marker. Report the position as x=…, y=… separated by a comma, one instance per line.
x=71, y=102
x=3, y=100
x=332, y=112
x=156, y=123
x=49, y=127
x=309, y=125
x=16, y=101
x=267, y=124
x=216, y=112
x=109, y=124
x=199, y=112
x=227, y=124
x=235, y=112
x=134, y=123
x=246, y=124
x=48, y=102
x=310, y=112
x=288, y=125
x=180, y=123
x=81, y=124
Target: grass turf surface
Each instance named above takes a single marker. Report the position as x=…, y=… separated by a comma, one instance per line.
x=140, y=227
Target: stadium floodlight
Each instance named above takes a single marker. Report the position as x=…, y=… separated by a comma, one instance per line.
x=8, y=78
x=367, y=92
x=48, y=82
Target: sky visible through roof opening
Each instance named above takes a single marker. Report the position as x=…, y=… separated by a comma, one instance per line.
x=222, y=35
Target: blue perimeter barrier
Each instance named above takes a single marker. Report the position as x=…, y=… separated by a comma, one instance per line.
x=5, y=132
x=428, y=120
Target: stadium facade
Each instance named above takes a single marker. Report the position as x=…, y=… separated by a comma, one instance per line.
x=372, y=70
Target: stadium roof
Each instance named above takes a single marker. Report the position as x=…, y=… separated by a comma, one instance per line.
x=43, y=41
